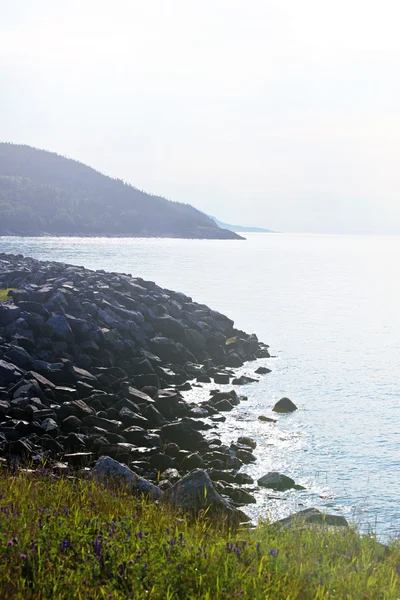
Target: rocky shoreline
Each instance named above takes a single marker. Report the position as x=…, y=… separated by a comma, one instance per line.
x=92, y=370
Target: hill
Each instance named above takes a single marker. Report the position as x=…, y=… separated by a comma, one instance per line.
x=44, y=193
x=241, y=228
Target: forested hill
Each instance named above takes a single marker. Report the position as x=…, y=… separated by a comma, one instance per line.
x=44, y=193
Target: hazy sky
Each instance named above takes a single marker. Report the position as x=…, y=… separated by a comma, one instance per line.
x=278, y=113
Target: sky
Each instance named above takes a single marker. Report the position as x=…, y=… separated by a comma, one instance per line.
x=282, y=114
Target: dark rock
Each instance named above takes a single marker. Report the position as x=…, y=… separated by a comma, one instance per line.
x=71, y=424
x=241, y=497
x=107, y=469
x=284, y=405
x=243, y=479
x=223, y=405
x=62, y=329
x=195, y=492
x=20, y=357
x=311, y=517
x=182, y=434
x=266, y=419
x=247, y=441
x=9, y=373
x=262, y=371
x=192, y=461
x=8, y=314
x=243, y=380
x=153, y=416
x=161, y=462
x=276, y=481
x=140, y=437
x=221, y=378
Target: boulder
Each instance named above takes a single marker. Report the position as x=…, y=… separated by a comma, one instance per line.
x=62, y=329
x=276, y=481
x=284, y=405
x=221, y=378
x=247, y=441
x=182, y=434
x=109, y=470
x=195, y=492
x=243, y=380
x=9, y=373
x=266, y=419
x=262, y=371
x=311, y=517
x=8, y=314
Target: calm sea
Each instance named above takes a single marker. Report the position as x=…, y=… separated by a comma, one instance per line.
x=329, y=308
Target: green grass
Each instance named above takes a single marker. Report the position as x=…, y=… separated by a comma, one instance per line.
x=4, y=294
x=70, y=538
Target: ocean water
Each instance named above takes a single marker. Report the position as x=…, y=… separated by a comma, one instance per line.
x=328, y=306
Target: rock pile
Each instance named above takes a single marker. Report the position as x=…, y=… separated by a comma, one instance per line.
x=92, y=364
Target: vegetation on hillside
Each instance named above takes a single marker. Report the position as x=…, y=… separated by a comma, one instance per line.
x=66, y=538
x=43, y=192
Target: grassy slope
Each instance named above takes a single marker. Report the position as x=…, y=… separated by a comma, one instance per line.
x=68, y=538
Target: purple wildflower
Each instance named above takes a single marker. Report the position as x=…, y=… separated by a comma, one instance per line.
x=140, y=534
x=273, y=553
x=23, y=556
x=97, y=545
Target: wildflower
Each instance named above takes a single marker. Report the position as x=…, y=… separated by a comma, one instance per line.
x=140, y=534
x=258, y=546
x=273, y=553
x=179, y=566
x=64, y=545
x=172, y=542
x=229, y=546
x=181, y=537
x=167, y=531
x=23, y=556
x=97, y=545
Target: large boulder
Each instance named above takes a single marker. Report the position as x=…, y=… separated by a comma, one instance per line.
x=311, y=516
x=276, y=481
x=9, y=373
x=8, y=314
x=109, y=470
x=62, y=329
x=284, y=405
x=195, y=492
x=183, y=434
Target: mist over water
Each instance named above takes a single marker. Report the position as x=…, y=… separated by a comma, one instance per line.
x=328, y=306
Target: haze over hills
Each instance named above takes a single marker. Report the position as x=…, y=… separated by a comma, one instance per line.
x=241, y=228
x=44, y=193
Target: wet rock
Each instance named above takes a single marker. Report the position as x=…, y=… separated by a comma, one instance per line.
x=223, y=406
x=108, y=470
x=247, y=441
x=276, y=481
x=284, y=405
x=243, y=479
x=262, y=371
x=243, y=380
x=221, y=378
x=266, y=419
